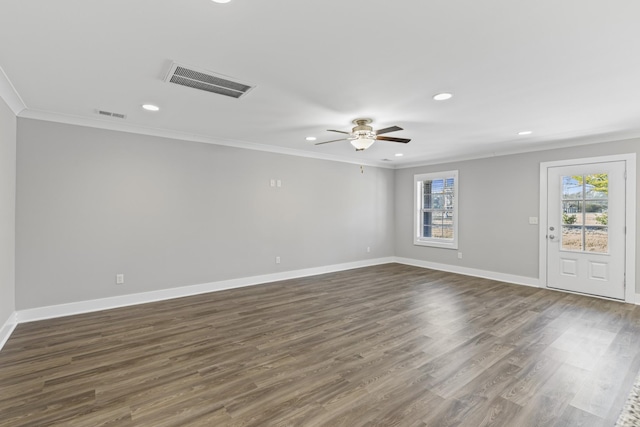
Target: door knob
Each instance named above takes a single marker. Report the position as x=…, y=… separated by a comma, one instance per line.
x=551, y=236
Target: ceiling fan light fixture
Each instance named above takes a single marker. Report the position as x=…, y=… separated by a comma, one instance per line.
x=362, y=143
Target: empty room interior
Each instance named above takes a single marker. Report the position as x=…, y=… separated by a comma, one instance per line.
x=319, y=213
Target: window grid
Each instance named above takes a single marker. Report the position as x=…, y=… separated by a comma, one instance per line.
x=436, y=209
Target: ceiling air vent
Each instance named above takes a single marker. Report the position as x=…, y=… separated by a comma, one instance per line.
x=207, y=81
x=111, y=114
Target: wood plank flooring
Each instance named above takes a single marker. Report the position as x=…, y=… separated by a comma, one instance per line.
x=390, y=345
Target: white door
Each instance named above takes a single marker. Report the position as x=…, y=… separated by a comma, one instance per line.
x=586, y=228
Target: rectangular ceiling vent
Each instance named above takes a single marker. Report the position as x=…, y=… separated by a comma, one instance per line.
x=207, y=81
x=111, y=114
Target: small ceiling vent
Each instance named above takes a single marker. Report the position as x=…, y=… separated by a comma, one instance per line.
x=111, y=114
x=207, y=81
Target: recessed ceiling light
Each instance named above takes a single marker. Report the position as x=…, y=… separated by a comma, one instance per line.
x=442, y=96
x=525, y=132
x=221, y=1
x=399, y=154
x=311, y=138
x=150, y=107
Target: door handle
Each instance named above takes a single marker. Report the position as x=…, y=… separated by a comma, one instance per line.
x=551, y=236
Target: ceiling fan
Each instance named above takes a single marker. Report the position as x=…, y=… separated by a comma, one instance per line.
x=363, y=135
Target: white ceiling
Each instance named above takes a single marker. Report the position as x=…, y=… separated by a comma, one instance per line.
x=567, y=70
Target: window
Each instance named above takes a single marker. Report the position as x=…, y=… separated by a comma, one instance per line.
x=436, y=209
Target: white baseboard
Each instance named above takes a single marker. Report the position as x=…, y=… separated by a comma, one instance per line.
x=7, y=329
x=61, y=310
x=502, y=277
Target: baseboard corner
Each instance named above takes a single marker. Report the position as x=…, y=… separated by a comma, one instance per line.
x=8, y=328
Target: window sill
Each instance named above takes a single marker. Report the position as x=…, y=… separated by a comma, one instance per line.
x=436, y=243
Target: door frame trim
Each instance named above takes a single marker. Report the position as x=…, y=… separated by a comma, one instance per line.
x=630, y=217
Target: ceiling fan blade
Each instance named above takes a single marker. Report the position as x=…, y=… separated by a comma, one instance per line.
x=339, y=131
x=388, y=138
x=387, y=130
x=333, y=140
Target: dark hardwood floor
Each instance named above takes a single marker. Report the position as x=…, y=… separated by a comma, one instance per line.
x=390, y=345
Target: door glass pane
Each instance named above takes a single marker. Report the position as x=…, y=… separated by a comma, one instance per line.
x=571, y=188
x=596, y=212
x=572, y=212
x=596, y=186
x=585, y=216
x=571, y=238
x=597, y=239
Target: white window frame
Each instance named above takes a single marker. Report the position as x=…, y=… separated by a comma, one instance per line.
x=418, y=203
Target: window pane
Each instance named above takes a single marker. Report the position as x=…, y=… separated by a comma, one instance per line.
x=448, y=201
x=448, y=185
x=427, y=218
x=571, y=188
x=428, y=203
x=447, y=218
x=437, y=186
x=437, y=201
x=438, y=232
x=571, y=238
x=438, y=217
x=447, y=231
x=597, y=239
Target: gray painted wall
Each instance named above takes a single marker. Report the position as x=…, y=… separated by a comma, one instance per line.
x=92, y=203
x=7, y=211
x=166, y=213
x=497, y=197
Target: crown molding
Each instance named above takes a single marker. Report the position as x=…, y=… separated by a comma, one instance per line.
x=543, y=146
x=7, y=92
x=10, y=95
x=184, y=136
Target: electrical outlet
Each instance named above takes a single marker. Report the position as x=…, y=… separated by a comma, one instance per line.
x=368, y=249
x=533, y=220
x=279, y=183
x=119, y=279
x=277, y=260
x=459, y=255
x=272, y=183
